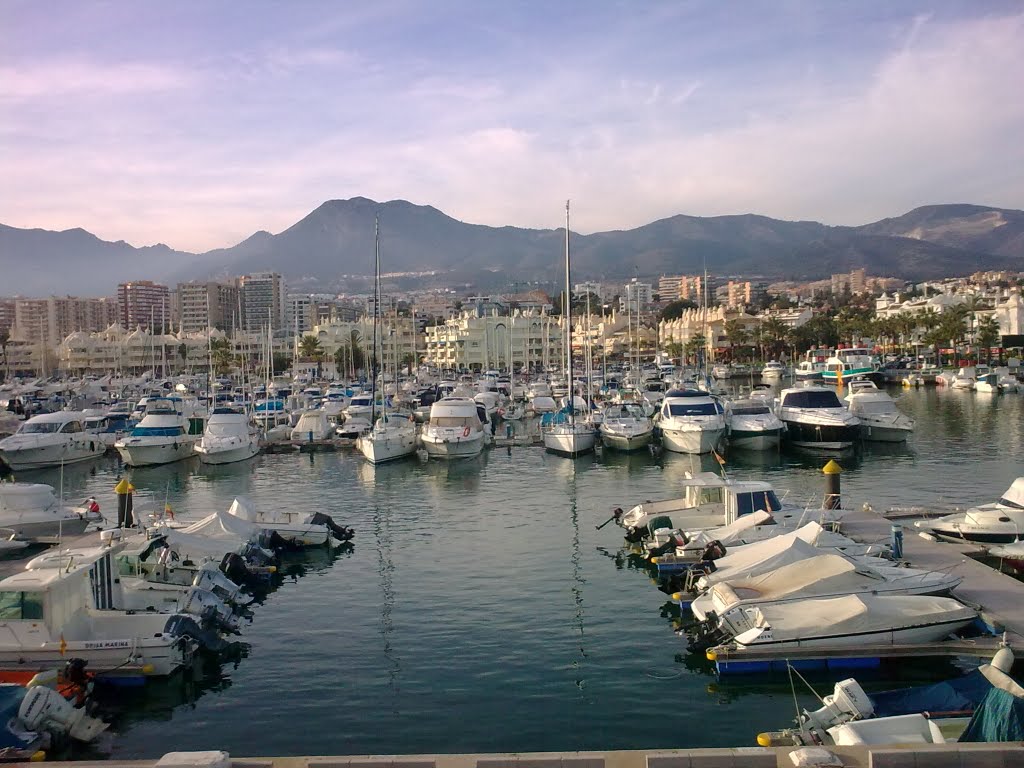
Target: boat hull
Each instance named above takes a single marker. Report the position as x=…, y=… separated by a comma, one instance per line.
x=453, y=448
x=926, y=633
x=53, y=455
x=380, y=450
x=570, y=444
x=884, y=434
x=227, y=455
x=121, y=658
x=755, y=440
x=624, y=442
x=825, y=436
x=695, y=441
x=135, y=453
x=68, y=526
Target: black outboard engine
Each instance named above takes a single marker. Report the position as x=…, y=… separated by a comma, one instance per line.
x=180, y=625
x=713, y=551
x=706, y=635
x=340, y=532
x=675, y=540
x=272, y=540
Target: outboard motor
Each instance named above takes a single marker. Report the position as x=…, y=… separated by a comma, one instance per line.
x=43, y=709
x=211, y=609
x=676, y=539
x=713, y=551
x=216, y=582
x=180, y=625
x=706, y=635
x=340, y=532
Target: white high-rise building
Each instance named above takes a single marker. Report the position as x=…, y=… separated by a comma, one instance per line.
x=263, y=301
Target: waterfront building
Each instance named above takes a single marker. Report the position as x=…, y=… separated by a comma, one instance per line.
x=263, y=301
x=208, y=305
x=47, y=321
x=581, y=289
x=400, y=343
x=6, y=314
x=635, y=296
x=528, y=339
x=708, y=323
x=142, y=303
x=1010, y=315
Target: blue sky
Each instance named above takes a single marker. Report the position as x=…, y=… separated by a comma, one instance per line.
x=197, y=123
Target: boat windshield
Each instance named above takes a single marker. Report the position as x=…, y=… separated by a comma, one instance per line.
x=17, y=606
x=812, y=399
x=222, y=430
x=39, y=428
x=750, y=410
x=877, y=406
x=766, y=501
x=693, y=409
x=158, y=431
x=453, y=421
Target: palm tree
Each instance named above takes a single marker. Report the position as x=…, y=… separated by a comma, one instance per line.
x=310, y=347
x=773, y=335
x=183, y=354
x=674, y=350
x=737, y=334
x=221, y=355
x=357, y=358
x=695, y=347
x=987, y=335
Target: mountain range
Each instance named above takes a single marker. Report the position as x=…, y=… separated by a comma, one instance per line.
x=338, y=239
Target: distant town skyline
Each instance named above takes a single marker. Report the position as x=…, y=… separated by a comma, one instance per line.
x=197, y=124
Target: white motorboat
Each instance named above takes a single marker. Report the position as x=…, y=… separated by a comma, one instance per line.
x=1007, y=381
x=230, y=436
x=816, y=418
x=827, y=574
x=50, y=440
x=773, y=369
x=168, y=432
x=570, y=438
x=454, y=429
x=107, y=427
x=360, y=406
x=491, y=402
x=53, y=614
x=392, y=437
x=721, y=371
x=31, y=510
x=752, y=424
x=543, y=404
x=708, y=501
x=880, y=419
x=848, y=621
x=313, y=426
x=964, y=379
x=625, y=427
x=691, y=421
x=999, y=523
x=301, y=528
x=851, y=364
x=987, y=384
x=812, y=367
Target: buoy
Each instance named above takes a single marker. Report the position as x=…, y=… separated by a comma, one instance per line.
x=654, y=559
x=764, y=739
x=148, y=669
x=711, y=656
x=37, y=757
x=677, y=596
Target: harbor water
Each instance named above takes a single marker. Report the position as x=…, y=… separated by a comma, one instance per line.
x=480, y=610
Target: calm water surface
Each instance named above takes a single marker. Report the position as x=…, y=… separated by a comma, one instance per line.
x=481, y=611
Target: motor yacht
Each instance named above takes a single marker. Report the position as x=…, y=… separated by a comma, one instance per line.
x=31, y=510
x=50, y=440
x=230, y=436
x=313, y=425
x=880, y=419
x=168, y=432
x=751, y=424
x=1001, y=522
x=625, y=427
x=816, y=418
x=773, y=369
x=691, y=421
x=846, y=365
x=454, y=429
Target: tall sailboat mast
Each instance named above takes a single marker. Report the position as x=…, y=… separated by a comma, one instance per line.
x=376, y=316
x=568, y=322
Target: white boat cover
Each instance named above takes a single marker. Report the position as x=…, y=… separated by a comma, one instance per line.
x=854, y=614
x=216, y=534
x=731, y=532
x=26, y=497
x=1014, y=496
x=243, y=509
x=825, y=575
x=759, y=557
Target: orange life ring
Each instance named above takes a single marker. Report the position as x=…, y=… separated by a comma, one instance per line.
x=465, y=431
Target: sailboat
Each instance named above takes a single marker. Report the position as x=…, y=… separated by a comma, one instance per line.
x=393, y=436
x=567, y=436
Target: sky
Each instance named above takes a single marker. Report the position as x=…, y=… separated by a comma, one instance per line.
x=196, y=123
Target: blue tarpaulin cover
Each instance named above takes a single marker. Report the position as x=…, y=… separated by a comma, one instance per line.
x=962, y=694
